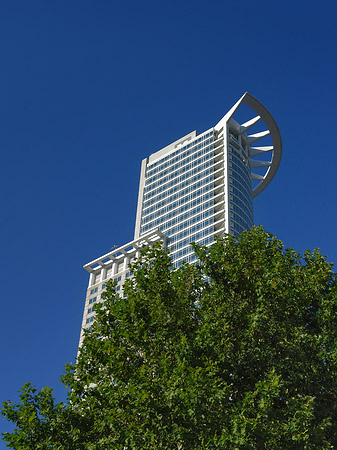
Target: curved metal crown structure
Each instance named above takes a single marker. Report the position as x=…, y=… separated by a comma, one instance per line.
x=272, y=153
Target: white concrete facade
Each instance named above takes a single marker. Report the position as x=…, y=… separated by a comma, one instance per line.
x=113, y=265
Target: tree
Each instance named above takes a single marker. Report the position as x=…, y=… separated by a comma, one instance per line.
x=236, y=352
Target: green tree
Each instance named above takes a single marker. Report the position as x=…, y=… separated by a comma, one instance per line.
x=236, y=352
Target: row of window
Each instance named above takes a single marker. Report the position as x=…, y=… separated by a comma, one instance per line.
x=240, y=221
x=183, y=195
x=240, y=180
x=93, y=291
x=178, y=164
x=240, y=148
x=191, y=238
x=245, y=183
x=160, y=164
x=187, y=250
x=248, y=222
x=198, y=221
x=97, y=279
x=239, y=183
x=239, y=155
x=92, y=300
x=236, y=184
x=178, y=187
x=176, y=174
x=241, y=176
x=237, y=193
x=179, y=180
x=193, y=229
x=242, y=206
x=189, y=259
x=236, y=229
x=240, y=167
x=176, y=219
x=200, y=202
x=188, y=199
x=181, y=253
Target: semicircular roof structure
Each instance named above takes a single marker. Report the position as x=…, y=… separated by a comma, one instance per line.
x=271, y=153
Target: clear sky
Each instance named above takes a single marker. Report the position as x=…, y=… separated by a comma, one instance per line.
x=90, y=88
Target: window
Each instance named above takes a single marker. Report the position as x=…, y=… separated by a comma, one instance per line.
x=92, y=300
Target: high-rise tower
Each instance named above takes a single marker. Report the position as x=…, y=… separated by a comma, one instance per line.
x=202, y=185
x=199, y=187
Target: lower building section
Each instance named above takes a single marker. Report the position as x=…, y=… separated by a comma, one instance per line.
x=115, y=266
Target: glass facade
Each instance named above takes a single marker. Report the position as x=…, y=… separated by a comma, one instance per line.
x=240, y=186
x=199, y=190
x=178, y=197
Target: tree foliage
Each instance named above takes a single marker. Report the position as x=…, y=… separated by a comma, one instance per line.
x=236, y=352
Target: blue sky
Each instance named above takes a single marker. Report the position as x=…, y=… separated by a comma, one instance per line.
x=88, y=89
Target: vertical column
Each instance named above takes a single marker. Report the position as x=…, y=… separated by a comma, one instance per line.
x=91, y=279
x=114, y=268
x=140, y=198
x=226, y=180
x=126, y=262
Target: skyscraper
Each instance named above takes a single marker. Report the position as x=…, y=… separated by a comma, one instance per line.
x=199, y=187
x=202, y=185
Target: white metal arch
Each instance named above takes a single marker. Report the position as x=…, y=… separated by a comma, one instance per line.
x=274, y=150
